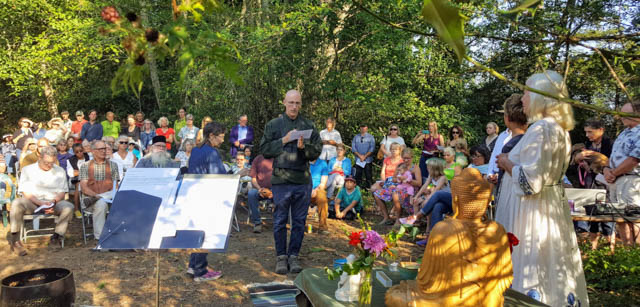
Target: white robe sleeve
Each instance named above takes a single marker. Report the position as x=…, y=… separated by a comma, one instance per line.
x=530, y=172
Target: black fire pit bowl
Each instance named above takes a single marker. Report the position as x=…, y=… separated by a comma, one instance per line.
x=40, y=287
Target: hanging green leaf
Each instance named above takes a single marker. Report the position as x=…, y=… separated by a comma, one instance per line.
x=525, y=5
x=448, y=22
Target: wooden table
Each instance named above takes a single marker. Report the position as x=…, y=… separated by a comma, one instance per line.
x=605, y=218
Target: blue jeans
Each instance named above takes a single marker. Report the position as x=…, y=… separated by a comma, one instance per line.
x=438, y=205
x=297, y=198
x=254, y=202
x=198, y=262
x=423, y=167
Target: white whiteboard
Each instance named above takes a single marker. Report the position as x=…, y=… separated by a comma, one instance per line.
x=204, y=202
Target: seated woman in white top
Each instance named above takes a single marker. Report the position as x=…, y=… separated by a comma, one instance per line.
x=183, y=155
x=123, y=157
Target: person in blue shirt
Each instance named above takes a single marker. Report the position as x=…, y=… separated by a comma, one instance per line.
x=319, y=177
x=339, y=168
x=91, y=130
x=348, y=202
x=206, y=159
x=363, y=146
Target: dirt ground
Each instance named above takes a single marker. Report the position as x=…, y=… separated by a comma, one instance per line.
x=128, y=278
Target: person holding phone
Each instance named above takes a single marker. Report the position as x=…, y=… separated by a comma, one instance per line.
x=430, y=139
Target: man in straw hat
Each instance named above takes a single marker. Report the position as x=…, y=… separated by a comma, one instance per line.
x=467, y=260
x=57, y=130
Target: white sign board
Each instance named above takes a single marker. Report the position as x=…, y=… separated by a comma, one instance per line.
x=203, y=202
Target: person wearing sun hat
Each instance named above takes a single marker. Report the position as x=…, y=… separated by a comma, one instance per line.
x=467, y=261
x=21, y=134
x=9, y=150
x=56, y=131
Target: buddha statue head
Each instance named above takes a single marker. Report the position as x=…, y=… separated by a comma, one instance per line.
x=471, y=195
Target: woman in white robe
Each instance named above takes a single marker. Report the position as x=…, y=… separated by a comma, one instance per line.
x=546, y=263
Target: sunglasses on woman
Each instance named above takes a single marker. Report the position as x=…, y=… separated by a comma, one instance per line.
x=393, y=129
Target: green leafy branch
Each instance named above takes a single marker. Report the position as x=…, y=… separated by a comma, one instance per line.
x=448, y=22
x=180, y=39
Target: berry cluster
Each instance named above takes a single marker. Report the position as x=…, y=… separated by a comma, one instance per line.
x=110, y=14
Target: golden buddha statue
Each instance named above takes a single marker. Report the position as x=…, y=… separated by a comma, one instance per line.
x=467, y=261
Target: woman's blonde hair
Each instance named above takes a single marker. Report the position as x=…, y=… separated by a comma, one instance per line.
x=495, y=126
x=163, y=119
x=206, y=120
x=436, y=167
x=541, y=106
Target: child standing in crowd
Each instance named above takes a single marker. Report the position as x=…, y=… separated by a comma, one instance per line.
x=9, y=152
x=348, y=203
x=435, y=182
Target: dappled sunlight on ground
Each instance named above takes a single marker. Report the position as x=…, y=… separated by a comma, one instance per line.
x=129, y=279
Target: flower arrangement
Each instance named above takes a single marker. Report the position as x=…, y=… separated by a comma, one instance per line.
x=369, y=245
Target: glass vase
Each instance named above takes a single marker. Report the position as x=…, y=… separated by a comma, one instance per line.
x=364, y=297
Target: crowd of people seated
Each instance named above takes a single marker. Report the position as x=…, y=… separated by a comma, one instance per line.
x=89, y=158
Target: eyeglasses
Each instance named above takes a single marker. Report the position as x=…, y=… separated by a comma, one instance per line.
x=101, y=149
x=124, y=143
x=476, y=156
x=31, y=144
x=392, y=129
x=455, y=132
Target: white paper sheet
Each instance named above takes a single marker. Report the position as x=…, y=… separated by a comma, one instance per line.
x=295, y=135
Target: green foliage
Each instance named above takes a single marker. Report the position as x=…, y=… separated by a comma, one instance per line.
x=448, y=22
x=187, y=38
x=618, y=271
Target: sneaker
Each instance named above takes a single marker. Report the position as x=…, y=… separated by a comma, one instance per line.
x=422, y=243
x=78, y=214
x=257, y=228
x=281, y=265
x=190, y=272
x=90, y=201
x=55, y=242
x=210, y=275
x=294, y=264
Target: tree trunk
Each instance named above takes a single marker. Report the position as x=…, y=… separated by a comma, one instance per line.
x=49, y=94
x=153, y=67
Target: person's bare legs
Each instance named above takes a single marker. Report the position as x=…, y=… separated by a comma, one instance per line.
x=627, y=232
x=375, y=186
x=383, y=209
x=396, y=209
x=593, y=238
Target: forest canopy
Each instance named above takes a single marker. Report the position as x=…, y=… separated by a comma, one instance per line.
x=374, y=62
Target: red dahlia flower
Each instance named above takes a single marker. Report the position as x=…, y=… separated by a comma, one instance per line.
x=354, y=238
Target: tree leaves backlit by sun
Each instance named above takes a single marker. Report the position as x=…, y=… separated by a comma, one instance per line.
x=180, y=40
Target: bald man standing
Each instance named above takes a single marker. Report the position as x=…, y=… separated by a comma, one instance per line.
x=291, y=179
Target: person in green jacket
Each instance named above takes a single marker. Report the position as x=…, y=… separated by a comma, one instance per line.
x=179, y=123
x=110, y=127
x=291, y=179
